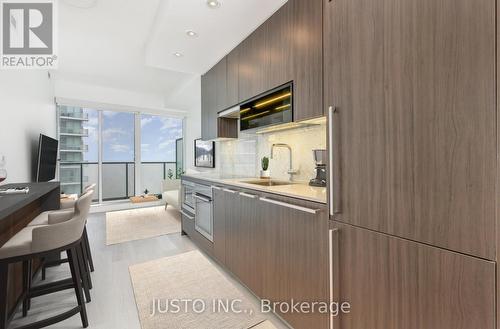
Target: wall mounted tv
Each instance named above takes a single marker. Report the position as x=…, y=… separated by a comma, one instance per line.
x=46, y=159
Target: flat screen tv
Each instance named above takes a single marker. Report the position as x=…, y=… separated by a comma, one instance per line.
x=204, y=154
x=46, y=159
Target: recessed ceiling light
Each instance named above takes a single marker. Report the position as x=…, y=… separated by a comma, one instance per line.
x=213, y=4
x=191, y=33
x=178, y=54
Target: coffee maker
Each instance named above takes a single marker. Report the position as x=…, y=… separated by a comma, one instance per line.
x=320, y=168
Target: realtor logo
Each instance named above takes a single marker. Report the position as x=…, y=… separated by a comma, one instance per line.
x=28, y=34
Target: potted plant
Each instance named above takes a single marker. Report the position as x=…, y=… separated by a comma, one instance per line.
x=264, y=173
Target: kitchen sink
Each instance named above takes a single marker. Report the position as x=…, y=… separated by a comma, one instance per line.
x=268, y=182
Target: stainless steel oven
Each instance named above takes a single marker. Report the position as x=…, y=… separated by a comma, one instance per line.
x=203, y=211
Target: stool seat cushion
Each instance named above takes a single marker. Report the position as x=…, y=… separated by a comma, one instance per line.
x=19, y=244
x=52, y=217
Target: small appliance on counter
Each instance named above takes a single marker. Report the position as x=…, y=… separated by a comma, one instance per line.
x=320, y=168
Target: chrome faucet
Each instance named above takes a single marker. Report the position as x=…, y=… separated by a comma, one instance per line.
x=290, y=171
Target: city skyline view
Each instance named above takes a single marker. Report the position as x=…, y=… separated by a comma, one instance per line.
x=158, y=136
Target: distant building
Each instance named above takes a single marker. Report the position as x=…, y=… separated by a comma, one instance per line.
x=72, y=147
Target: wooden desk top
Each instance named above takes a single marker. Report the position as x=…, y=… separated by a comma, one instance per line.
x=9, y=204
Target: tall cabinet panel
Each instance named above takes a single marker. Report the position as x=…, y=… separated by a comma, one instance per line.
x=208, y=105
x=220, y=85
x=233, y=59
x=413, y=131
x=392, y=283
x=307, y=54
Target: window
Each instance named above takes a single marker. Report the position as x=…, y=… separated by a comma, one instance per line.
x=101, y=147
x=158, y=150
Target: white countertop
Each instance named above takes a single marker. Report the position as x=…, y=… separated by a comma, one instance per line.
x=300, y=190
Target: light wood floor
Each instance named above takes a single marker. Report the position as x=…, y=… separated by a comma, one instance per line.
x=113, y=304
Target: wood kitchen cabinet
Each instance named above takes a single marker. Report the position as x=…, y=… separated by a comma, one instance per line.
x=307, y=58
x=220, y=85
x=219, y=217
x=253, y=63
x=413, y=134
x=294, y=38
x=233, y=60
x=276, y=246
x=208, y=105
x=214, y=98
x=392, y=283
x=294, y=248
x=244, y=233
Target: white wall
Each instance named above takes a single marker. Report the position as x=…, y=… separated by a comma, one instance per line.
x=27, y=109
x=76, y=90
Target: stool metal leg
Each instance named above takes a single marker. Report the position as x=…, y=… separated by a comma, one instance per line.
x=4, y=270
x=85, y=264
x=26, y=287
x=30, y=281
x=77, y=282
x=83, y=273
x=87, y=246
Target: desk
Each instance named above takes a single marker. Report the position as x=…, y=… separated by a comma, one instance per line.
x=16, y=212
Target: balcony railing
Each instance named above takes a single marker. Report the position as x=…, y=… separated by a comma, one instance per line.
x=74, y=148
x=118, y=178
x=73, y=114
x=74, y=131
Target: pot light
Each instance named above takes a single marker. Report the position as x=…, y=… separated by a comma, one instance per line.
x=178, y=54
x=213, y=4
x=191, y=33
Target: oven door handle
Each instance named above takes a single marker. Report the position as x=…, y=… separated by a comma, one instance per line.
x=204, y=199
x=187, y=215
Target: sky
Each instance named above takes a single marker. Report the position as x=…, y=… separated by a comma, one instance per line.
x=158, y=135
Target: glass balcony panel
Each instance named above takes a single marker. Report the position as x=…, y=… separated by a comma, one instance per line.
x=91, y=176
x=152, y=176
x=114, y=181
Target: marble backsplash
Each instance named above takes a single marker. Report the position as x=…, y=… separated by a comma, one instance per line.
x=242, y=157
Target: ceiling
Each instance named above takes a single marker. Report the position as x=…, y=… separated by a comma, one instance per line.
x=219, y=31
x=130, y=44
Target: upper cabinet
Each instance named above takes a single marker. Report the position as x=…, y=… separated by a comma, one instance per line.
x=208, y=105
x=253, y=63
x=220, y=72
x=215, y=98
x=413, y=134
x=287, y=47
x=232, y=83
x=307, y=57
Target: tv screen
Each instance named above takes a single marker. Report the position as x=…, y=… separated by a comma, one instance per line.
x=204, y=154
x=47, y=159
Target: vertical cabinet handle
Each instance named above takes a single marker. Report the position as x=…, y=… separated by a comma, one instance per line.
x=334, y=273
x=334, y=161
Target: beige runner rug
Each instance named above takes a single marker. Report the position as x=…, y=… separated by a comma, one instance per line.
x=141, y=223
x=189, y=277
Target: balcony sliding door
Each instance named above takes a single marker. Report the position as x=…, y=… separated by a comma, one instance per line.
x=158, y=150
x=118, y=155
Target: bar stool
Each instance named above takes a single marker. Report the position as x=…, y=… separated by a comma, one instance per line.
x=70, y=203
x=39, y=241
x=57, y=216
